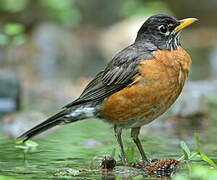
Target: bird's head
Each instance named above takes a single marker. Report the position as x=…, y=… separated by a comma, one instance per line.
x=163, y=31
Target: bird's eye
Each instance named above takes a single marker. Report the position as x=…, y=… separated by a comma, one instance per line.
x=163, y=29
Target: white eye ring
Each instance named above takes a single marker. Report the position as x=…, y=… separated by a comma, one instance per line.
x=164, y=30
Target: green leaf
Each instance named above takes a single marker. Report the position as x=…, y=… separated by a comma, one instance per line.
x=31, y=144
x=19, y=142
x=186, y=150
x=14, y=29
x=195, y=154
x=197, y=141
x=208, y=160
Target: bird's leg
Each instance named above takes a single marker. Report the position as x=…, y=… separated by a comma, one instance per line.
x=134, y=135
x=118, y=132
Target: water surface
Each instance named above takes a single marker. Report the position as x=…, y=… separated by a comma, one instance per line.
x=73, y=147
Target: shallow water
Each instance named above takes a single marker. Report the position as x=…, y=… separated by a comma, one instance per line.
x=74, y=146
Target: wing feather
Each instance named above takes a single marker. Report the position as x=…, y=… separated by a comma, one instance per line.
x=119, y=74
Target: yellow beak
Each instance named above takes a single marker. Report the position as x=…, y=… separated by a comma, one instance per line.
x=184, y=23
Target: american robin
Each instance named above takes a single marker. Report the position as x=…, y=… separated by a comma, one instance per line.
x=139, y=84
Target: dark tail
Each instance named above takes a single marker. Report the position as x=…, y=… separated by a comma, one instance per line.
x=49, y=123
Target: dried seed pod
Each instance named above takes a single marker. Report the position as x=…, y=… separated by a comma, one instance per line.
x=108, y=163
x=163, y=166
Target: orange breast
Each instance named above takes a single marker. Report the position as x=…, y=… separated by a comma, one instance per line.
x=152, y=93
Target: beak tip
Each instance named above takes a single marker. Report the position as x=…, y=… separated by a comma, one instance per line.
x=192, y=20
x=184, y=23
x=195, y=19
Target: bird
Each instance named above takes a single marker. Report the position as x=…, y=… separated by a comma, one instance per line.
x=138, y=85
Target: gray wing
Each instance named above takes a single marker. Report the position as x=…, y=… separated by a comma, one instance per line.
x=119, y=74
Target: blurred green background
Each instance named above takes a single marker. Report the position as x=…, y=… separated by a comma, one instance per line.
x=50, y=49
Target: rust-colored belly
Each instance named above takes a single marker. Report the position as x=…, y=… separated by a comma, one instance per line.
x=152, y=93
